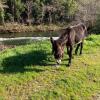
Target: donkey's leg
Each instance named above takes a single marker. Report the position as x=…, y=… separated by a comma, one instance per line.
x=81, y=47
x=70, y=55
x=76, y=50
x=68, y=50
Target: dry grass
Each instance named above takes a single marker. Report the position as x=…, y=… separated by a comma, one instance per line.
x=18, y=28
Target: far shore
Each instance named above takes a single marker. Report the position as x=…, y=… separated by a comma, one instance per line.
x=21, y=28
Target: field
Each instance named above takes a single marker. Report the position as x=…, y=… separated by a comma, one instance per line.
x=28, y=73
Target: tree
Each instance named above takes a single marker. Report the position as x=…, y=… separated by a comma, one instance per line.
x=19, y=8
x=88, y=9
x=48, y=11
x=2, y=6
x=29, y=5
x=16, y=7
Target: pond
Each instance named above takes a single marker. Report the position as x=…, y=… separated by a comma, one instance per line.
x=25, y=38
x=32, y=34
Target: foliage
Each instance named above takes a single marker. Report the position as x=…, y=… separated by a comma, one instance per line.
x=96, y=28
x=2, y=6
x=39, y=11
x=49, y=11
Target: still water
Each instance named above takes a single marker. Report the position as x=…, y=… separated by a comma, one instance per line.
x=25, y=38
x=32, y=34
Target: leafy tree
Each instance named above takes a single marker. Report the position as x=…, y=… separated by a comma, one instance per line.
x=48, y=11
x=2, y=6
x=19, y=8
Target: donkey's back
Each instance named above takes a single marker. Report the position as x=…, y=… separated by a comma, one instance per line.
x=77, y=33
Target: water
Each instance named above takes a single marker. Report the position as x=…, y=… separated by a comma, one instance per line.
x=25, y=38
x=32, y=34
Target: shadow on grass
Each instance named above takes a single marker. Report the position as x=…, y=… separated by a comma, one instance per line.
x=23, y=62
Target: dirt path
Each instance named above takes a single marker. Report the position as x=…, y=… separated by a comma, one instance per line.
x=3, y=47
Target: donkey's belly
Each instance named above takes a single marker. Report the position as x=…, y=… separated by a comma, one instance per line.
x=79, y=38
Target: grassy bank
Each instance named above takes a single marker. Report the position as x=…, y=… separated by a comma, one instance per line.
x=18, y=28
x=28, y=73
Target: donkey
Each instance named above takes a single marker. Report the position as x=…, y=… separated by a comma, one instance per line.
x=73, y=35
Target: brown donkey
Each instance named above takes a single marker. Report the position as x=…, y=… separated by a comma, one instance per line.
x=71, y=36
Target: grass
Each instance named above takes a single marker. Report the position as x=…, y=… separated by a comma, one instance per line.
x=28, y=73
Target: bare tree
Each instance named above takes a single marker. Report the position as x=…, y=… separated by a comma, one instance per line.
x=29, y=5
x=50, y=10
x=88, y=9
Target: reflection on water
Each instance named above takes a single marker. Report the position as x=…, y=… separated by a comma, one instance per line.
x=24, y=38
x=32, y=34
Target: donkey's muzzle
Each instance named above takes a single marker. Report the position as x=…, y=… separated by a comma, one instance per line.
x=58, y=61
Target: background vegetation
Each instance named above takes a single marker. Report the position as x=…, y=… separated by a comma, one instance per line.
x=48, y=11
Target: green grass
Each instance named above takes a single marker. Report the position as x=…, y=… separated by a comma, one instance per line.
x=28, y=72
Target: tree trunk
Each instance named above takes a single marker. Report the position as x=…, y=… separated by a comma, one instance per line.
x=2, y=17
x=50, y=18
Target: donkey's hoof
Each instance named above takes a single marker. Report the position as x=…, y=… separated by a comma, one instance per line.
x=57, y=65
x=80, y=53
x=68, y=65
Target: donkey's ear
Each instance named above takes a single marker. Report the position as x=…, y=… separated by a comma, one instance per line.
x=51, y=39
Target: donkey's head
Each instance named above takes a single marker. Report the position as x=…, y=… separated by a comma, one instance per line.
x=57, y=50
